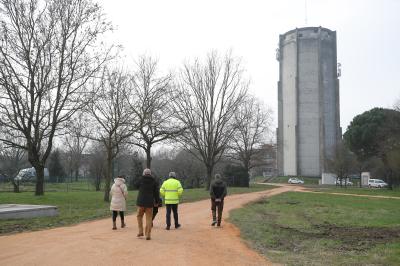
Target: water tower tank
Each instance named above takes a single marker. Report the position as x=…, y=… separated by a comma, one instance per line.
x=308, y=101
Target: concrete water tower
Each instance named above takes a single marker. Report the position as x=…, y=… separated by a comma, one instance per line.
x=308, y=101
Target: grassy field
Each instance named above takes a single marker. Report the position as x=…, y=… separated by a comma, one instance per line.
x=320, y=229
x=78, y=206
x=363, y=191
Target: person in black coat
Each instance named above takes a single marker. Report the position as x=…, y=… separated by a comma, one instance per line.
x=148, y=196
x=217, y=193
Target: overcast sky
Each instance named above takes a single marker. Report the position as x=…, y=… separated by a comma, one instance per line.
x=368, y=40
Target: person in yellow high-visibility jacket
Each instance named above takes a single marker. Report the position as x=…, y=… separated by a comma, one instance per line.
x=171, y=190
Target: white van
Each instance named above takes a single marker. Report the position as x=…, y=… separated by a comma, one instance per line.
x=29, y=174
x=377, y=183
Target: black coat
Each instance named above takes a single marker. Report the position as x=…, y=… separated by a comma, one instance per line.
x=149, y=193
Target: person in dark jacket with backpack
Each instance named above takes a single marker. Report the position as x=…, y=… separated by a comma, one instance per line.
x=217, y=192
x=148, y=196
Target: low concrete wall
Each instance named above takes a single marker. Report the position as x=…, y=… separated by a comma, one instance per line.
x=18, y=211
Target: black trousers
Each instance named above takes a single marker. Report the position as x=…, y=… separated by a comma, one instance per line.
x=174, y=208
x=115, y=214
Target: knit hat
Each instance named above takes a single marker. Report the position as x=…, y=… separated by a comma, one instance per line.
x=147, y=171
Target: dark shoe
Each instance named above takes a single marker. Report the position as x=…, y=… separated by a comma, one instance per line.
x=139, y=235
x=114, y=226
x=218, y=224
x=148, y=238
x=213, y=223
x=177, y=226
x=123, y=225
x=167, y=228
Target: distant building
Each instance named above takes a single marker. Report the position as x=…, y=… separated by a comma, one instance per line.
x=308, y=101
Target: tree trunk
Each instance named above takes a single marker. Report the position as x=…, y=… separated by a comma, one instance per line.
x=39, y=191
x=388, y=172
x=247, y=168
x=209, y=177
x=390, y=180
x=98, y=182
x=76, y=174
x=107, y=185
x=16, y=185
x=148, y=158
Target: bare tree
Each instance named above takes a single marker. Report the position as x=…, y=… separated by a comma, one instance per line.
x=162, y=162
x=342, y=163
x=97, y=163
x=253, y=121
x=113, y=117
x=48, y=52
x=152, y=107
x=75, y=140
x=207, y=98
x=189, y=169
x=397, y=105
x=394, y=155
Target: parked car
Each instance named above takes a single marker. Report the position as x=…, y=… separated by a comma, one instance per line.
x=377, y=183
x=295, y=180
x=29, y=174
x=344, y=182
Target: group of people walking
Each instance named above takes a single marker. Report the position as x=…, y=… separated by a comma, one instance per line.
x=149, y=200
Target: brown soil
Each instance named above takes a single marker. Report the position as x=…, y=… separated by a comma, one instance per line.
x=94, y=243
x=351, y=239
x=361, y=238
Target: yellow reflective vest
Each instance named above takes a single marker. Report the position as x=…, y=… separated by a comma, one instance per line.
x=171, y=190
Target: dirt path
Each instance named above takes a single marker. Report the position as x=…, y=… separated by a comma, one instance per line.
x=94, y=243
